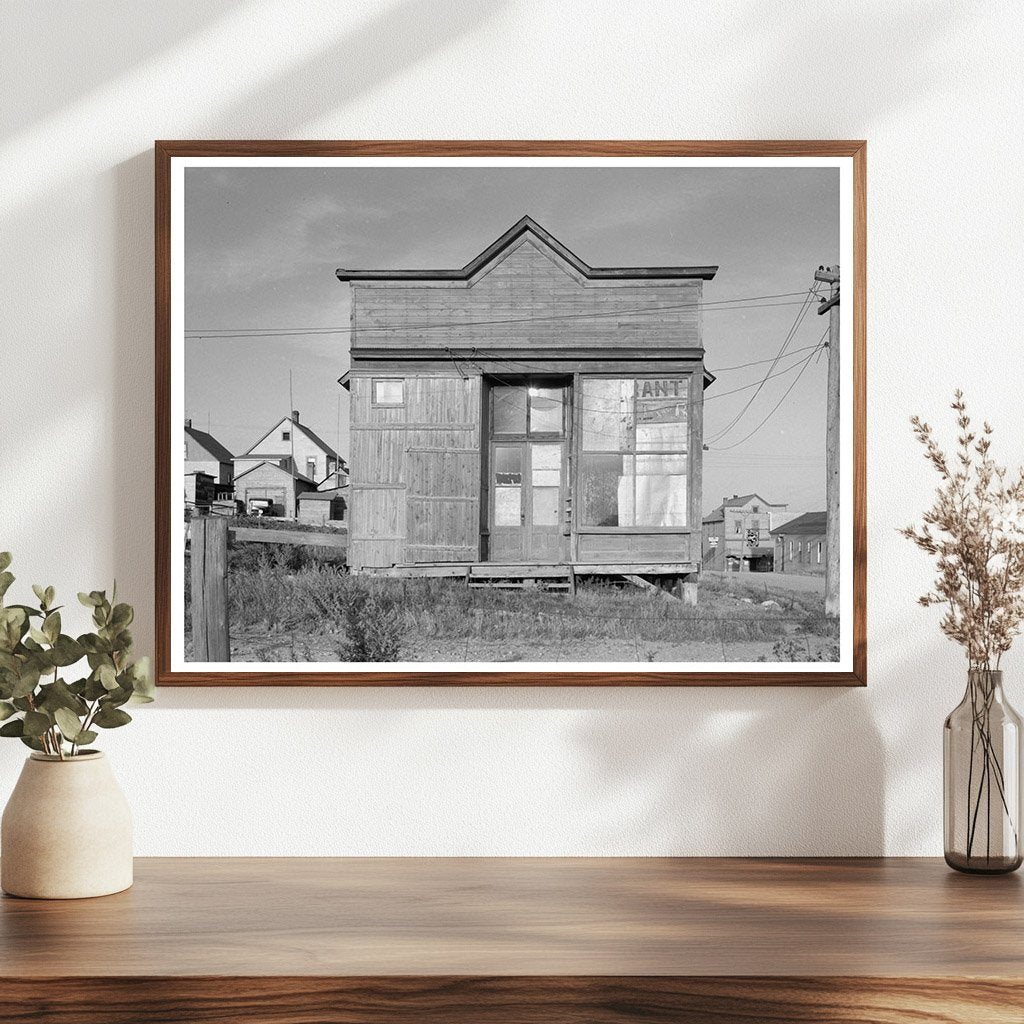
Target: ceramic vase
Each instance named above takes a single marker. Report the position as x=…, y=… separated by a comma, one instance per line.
x=66, y=831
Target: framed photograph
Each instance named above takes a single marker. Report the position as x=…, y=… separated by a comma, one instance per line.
x=493, y=413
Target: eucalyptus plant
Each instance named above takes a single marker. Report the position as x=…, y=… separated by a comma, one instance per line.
x=37, y=703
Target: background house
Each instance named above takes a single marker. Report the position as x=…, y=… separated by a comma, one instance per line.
x=294, y=446
x=736, y=535
x=205, y=454
x=271, y=489
x=323, y=507
x=799, y=545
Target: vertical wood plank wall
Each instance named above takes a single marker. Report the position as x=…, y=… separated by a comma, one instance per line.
x=415, y=471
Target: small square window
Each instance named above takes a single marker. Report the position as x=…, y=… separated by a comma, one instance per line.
x=286, y=435
x=389, y=392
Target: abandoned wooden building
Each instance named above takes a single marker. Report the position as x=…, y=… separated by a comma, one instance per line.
x=527, y=418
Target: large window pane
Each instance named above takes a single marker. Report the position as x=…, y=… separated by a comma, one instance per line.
x=545, y=410
x=509, y=404
x=546, y=481
x=662, y=414
x=606, y=490
x=661, y=490
x=508, y=485
x=607, y=414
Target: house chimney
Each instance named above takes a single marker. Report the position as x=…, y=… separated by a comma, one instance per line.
x=188, y=424
x=295, y=415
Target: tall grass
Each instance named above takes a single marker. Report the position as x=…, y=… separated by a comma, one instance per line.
x=374, y=614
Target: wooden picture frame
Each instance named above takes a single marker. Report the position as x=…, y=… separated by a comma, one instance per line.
x=848, y=669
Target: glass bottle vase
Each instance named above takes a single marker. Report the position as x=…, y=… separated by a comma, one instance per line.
x=981, y=771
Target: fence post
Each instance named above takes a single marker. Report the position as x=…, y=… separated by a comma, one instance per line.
x=210, y=588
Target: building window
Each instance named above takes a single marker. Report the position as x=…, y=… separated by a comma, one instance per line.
x=311, y=468
x=286, y=435
x=819, y=552
x=739, y=526
x=791, y=550
x=633, y=468
x=389, y=392
x=756, y=508
x=528, y=410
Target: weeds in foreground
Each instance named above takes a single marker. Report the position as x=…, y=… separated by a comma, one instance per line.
x=382, y=619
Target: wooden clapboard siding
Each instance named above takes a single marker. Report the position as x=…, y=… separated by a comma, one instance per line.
x=522, y=288
x=638, y=547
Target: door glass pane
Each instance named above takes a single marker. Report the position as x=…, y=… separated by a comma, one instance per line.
x=509, y=404
x=508, y=485
x=661, y=490
x=545, y=410
x=606, y=490
x=607, y=414
x=546, y=481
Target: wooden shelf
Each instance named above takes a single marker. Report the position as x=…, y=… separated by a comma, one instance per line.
x=574, y=941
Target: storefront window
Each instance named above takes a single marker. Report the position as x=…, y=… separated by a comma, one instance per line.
x=633, y=469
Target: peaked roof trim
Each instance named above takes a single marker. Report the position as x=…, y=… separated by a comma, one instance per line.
x=210, y=443
x=298, y=425
x=527, y=225
x=294, y=474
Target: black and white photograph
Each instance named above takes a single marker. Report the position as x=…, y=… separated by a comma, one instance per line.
x=511, y=414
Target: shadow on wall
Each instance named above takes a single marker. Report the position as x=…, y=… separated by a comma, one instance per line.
x=739, y=771
x=408, y=33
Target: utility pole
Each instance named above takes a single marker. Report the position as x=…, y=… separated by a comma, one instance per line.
x=830, y=276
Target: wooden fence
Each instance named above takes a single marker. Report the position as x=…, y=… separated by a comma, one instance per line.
x=209, y=546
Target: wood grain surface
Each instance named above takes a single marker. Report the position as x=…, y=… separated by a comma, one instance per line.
x=166, y=150
x=568, y=940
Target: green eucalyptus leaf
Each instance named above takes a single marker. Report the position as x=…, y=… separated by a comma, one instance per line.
x=50, y=594
x=111, y=718
x=122, y=616
x=86, y=736
x=16, y=727
x=9, y=663
x=6, y=710
x=6, y=579
x=59, y=695
x=94, y=689
x=36, y=723
x=142, y=678
x=23, y=703
x=89, y=600
x=51, y=626
x=5, y=560
x=94, y=644
x=31, y=741
x=40, y=593
x=107, y=676
x=69, y=724
x=27, y=682
x=115, y=698
x=66, y=651
x=39, y=636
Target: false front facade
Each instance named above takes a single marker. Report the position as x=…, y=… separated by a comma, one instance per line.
x=527, y=410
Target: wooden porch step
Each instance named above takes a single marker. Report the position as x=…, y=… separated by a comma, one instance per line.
x=522, y=577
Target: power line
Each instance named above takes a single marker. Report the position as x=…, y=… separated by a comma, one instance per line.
x=801, y=314
x=775, y=408
x=754, y=301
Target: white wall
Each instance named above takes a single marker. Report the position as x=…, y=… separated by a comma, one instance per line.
x=935, y=87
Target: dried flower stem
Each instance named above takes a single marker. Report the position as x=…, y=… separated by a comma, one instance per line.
x=975, y=530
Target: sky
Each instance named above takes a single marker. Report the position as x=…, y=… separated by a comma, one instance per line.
x=262, y=246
